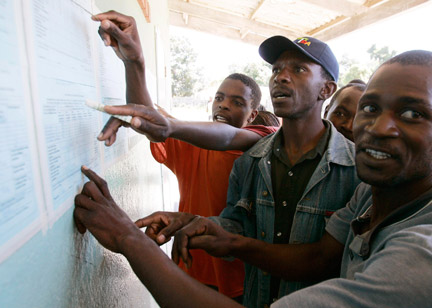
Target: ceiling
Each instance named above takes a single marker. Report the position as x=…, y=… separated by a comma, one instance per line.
x=251, y=21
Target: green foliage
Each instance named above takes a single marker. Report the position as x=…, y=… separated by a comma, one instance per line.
x=185, y=75
x=381, y=55
x=351, y=69
x=259, y=71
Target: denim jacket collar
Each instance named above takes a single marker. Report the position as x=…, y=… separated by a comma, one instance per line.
x=339, y=150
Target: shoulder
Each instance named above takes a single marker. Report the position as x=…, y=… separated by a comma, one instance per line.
x=419, y=235
x=340, y=150
x=172, y=147
x=338, y=225
x=360, y=200
x=408, y=248
x=263, y=146
x=253, y=156
x=261, y=129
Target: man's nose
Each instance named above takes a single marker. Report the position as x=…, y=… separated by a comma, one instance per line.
x=348, y=124
x=283, y=76
x=224, y=105
x=384, y=125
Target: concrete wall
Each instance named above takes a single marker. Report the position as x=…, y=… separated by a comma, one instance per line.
x=62, y=268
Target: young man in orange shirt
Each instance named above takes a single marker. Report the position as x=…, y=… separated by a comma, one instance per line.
x=203, y=176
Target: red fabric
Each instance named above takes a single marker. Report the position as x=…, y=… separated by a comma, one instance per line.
x=203, y=183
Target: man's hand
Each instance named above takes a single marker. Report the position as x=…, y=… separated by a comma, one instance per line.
x=109, y=131
x=201, y=233
x=120, y=32
x=163, y=112
x=146, y=121
x=96, y=211
x=162, y=225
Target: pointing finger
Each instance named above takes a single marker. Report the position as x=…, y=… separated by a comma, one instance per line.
x=100, y=183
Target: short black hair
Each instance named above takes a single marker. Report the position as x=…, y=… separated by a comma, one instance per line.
x=251, y=84
x=266, y=118
x=412, y=57
x=356, y=83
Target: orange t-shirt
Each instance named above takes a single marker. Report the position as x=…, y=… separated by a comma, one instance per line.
x=203, y=183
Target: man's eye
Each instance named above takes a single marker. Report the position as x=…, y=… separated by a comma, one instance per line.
x=411, y=114
x=339, y=114
x=238, y=103
x=369, y=108
x=275, y=70
x=218, y=98
x=300, y=69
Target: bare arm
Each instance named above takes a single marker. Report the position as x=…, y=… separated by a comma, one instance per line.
x=207, y=135
x=169, y=285
x=120, y=32
x=295, y=262
x=214, y=136
x=96, y=211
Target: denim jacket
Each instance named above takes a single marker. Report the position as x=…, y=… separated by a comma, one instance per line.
x=250, y=204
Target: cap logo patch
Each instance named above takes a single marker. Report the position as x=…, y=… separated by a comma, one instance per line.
x=304, y=41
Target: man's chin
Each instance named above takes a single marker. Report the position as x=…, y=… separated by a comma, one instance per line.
x=378, y=180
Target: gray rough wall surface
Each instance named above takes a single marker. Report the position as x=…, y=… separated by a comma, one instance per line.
x=105, y=279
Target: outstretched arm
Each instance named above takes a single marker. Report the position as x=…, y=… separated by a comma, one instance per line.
x=294, y=262
x=96, y=211
x=120, y=32
x=207, y=135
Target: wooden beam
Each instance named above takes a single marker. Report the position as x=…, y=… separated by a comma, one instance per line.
x=373, y=15
x=211, y=27
x=370, y=3
x=243, y=33
x=259, y=6
x=185, y=18
x=342, y=7
x=328, y=25
x=145, y=7
x=229, y=20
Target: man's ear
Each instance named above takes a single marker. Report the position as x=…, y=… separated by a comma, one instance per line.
x=327, y=90
x=252, y=116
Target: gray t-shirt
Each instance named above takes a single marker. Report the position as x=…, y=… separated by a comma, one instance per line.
x=389, y=266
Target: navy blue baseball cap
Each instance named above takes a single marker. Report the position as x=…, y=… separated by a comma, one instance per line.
x=271, y=49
